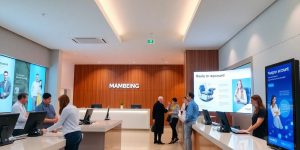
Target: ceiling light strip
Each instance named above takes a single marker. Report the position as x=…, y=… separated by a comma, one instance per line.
x=191, y=18
x=109, y=18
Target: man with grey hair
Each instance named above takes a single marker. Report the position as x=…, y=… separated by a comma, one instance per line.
x=158, y=115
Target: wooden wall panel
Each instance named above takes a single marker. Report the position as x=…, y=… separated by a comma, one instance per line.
x=91, y=84
x=199, y=60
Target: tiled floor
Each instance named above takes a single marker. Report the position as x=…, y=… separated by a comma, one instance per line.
x=143, y=140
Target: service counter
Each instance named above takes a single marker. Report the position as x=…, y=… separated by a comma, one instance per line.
x=101, y=135
x=131, y=118
x=45, y=142
x=207, y=137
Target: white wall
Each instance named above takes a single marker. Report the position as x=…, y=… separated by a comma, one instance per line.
x=54, y=76
x=21, y=48
x=273, y=37
x=67, y=77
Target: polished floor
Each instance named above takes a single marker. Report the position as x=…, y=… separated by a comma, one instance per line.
x=143, y=140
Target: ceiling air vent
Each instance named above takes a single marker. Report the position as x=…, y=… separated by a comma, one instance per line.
x=89, y=40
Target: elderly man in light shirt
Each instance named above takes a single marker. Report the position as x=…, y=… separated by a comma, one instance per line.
x=19, y=107
x=35, y=90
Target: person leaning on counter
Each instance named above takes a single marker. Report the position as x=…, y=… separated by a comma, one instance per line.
x=46, y=106
x=69, y=121
x=259, y=121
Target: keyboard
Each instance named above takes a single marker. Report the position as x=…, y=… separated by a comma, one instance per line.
x=19, y=137
x=237, y=131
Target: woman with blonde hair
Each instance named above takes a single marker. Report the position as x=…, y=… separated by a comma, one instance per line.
x=240, y=93
x=69, y=121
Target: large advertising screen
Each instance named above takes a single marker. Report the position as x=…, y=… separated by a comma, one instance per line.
x=227, y=91
x=18, y=77
x=37, y=86
x=7, y=67
x=280, y=100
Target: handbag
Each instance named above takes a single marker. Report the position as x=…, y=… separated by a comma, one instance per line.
x=169, y=118
x=153, y=127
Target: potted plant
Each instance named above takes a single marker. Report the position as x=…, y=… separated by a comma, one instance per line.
x=121, y=104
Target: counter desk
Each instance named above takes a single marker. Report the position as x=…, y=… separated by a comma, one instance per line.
x=207, y=137
x=131, y=118
x=45, y=142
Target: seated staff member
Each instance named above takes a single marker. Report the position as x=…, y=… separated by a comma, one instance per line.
x=259, y=118
x=46, y=106
x=19, y=107
x=69, y=121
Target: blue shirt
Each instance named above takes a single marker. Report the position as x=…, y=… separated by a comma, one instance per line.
x=192, y=112
x=50, y=112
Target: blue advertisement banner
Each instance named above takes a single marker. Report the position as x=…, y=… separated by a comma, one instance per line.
x=279, y=90
x=37, y=80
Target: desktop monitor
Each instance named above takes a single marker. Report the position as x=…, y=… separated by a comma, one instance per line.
x=224, y=124
x=107, y=114
x=136, y=106
x=7, y=125
x=87, y=116
x=206, y=117
x=96, y=106
x=35, y=123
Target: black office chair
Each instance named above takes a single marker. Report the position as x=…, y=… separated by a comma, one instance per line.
x=136, y=106
x=96, y=106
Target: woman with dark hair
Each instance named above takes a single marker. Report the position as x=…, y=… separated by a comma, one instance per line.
x=173, y=119
x=259, y=118
x=69, y=121
x=275, y=113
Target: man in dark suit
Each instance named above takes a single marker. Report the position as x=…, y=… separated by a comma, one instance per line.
x=158, y=115
x=5, y=85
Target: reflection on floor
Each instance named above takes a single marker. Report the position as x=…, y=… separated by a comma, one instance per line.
x=143, y=140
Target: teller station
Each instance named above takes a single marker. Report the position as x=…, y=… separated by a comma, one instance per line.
x=106, y=132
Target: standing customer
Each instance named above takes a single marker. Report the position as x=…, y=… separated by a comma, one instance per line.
x=173, y=115
x=19, y=107
x=191, y=116
x=51, y=117
x=158, y=115
x=69, y=121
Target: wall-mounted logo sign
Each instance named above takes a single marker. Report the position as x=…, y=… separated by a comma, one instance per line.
x=123, y=85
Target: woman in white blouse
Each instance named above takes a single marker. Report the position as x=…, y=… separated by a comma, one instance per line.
x=69, y=121
x=276, y=113
x=240, y=93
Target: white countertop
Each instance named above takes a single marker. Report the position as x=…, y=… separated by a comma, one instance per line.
x=131, y=118
x=101, y=126
x=37, y=143
x=230, y=140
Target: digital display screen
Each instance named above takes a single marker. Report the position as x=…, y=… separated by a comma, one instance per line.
x=7, y=68
x=279, y=94
x=226, y=91
x=37, y=79
x=17, y=77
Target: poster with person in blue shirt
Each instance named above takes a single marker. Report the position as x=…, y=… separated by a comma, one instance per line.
x=7, y=68
x=279, y=90
x=37, y=80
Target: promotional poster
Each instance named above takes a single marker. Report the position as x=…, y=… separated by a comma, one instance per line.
x=7, y=67
x=36, y=86
x=21, y=79
x=226, y=91
x=279, y=90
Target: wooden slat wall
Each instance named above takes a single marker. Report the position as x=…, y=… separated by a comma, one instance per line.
x=199, y=60
x=91, y=84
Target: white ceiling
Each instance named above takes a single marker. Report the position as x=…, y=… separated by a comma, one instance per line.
x=54, y=23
